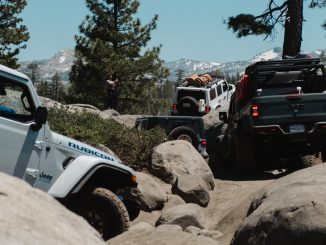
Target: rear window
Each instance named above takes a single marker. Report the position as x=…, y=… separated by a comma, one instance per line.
x=195, y=94
x=290, y=82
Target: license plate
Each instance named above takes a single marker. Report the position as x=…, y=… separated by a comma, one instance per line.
x=294, y=129
x=186, y=105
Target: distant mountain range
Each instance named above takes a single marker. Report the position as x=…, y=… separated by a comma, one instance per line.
x=63, y=60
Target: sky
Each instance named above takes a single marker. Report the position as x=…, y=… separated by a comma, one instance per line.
x=190, y=29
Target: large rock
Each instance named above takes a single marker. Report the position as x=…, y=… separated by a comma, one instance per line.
x=48, y=103
x=173, y=200
x=127, y=120
x=30, y=216
x=191, y=189
x=183, y=215
x=106, y=114
x=176, y=158
x=141, y=226
x=109, y=113
x=149, y=195
x=160, y=237
x=292, y=210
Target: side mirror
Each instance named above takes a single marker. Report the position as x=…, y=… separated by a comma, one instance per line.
x=223, y=116
x=41, y=116
x=230, y=87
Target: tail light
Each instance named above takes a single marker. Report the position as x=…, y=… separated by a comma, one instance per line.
x=207, y=109
x=254, y=111
x=174, y=106
x=243, y=88
x=203, y=142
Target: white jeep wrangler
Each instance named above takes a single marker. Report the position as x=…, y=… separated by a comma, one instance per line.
x=81, y=177
x=193, y=100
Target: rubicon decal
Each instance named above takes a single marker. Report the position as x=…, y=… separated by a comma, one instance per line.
x=89, y=151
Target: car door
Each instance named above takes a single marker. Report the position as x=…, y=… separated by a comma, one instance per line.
x=20, y=145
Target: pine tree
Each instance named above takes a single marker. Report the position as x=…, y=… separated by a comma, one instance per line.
x=13, y=35
x=43, y=89
x=112, y=41
x=288, y=13
x=180, y=75
x=34, y=72
x=56, y=88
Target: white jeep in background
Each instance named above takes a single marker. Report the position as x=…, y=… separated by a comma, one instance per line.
x=198, y=100
x=81, y=177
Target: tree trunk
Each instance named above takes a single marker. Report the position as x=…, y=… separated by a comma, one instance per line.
x=293, y=28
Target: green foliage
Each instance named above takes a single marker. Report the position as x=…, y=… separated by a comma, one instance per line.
x=233, y=78
x=287, y=13
x=246, y=24
x=180, y=74
x=13, y=35
x=43, y=88
x=112, y=41
x=56, y=88
x=133, y=147
x=53, y=89
x=33, y=72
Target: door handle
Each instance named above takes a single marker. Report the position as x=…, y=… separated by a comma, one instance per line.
x=39, y=145
x=31, y=173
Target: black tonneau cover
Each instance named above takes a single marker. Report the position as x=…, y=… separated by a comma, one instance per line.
x=284, y=65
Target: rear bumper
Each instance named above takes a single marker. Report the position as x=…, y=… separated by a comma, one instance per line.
x=317, y=128
x=274, y=139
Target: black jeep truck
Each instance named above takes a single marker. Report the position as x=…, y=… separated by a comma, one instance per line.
x=186, y=128
x=277, y=112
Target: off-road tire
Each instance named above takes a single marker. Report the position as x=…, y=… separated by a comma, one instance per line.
x=242, y=152
x=217, y=159
x=300, y=162
x=323, y=155
x=184, y=133
x=192, y=110
x=103, y=210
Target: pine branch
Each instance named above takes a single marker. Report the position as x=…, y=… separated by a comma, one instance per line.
x=271, y=10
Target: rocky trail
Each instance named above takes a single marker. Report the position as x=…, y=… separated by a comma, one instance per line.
x=182, y=202
x=231, y=196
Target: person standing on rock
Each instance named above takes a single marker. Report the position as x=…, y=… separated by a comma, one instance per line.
x=111, y=89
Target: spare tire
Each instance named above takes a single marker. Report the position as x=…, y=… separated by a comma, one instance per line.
x=188, y=106
x=184, y=133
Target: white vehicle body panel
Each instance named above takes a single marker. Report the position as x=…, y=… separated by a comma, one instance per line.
x=38, y=156
x=217, y=95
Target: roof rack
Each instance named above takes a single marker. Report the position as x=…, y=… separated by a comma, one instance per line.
x=210, y=84
x=286, y=64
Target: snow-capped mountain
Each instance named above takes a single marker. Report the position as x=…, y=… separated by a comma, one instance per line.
x=63, y=60
x=230, y=68
x=60, y=63
x=273, y=54
x=192, y=66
